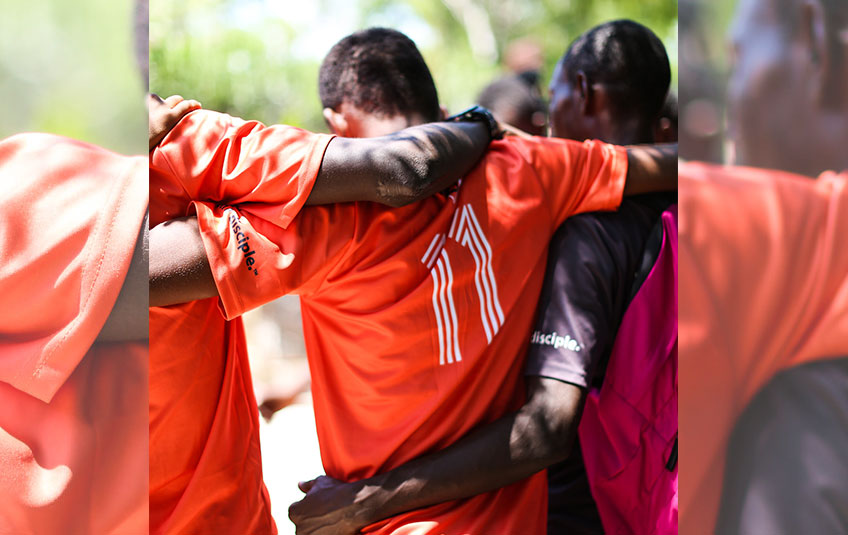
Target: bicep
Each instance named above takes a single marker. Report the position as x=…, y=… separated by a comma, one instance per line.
x=347, y=173
x=128, y=319
x=179, y=268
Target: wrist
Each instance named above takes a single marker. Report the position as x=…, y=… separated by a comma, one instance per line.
x=369, y=500
x=481, y=115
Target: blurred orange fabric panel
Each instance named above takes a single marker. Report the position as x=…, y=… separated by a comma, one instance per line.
x=73, y=438
x=417, y=319
x=205, y=462
x=763, y=287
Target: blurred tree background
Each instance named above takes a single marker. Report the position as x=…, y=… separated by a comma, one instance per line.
x=259, y=59
x=68, y=68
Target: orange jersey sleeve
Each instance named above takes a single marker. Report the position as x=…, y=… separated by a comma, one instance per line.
x=210, y=156
x=570, y=177
x=70, y=214
x=763, y=287
x=576, y=177
x=254, y=261
x=200, y=386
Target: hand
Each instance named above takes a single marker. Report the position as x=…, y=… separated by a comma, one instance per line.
x=329, y=508
x=164, y=114
x=509, y=130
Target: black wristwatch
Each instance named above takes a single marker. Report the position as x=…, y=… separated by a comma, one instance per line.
x=481, y=115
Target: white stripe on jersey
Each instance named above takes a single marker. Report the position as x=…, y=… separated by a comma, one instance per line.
x=432, y=251
x=438, y=310
x=489, y=272
x=453, y=316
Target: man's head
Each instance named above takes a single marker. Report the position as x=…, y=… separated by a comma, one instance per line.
x=788, y=91
x=516, y=100
x=374, y=82
x=610, y=85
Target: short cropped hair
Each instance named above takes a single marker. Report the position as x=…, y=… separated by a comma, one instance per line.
x=379, y=71
x=629, y=60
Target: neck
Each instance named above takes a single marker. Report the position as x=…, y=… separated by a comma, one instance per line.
x=375, y=127
x=830, y=152
x=628, y=132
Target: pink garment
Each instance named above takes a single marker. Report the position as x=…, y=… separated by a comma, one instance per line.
x=628, y=431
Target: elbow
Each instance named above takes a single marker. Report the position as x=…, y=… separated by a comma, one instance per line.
x=409, y=177
x=555, y=432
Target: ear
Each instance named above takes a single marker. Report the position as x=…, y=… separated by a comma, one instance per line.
x=336, y=121
x=584, y=93
x=443, y=112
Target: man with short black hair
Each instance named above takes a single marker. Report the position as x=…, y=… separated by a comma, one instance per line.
x=593, y=265
x=607, y=80
x=380, y=73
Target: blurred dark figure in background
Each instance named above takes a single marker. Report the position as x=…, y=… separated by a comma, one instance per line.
x=516, y=100
x=764, y=286
x=788, y=92
x=701, y=92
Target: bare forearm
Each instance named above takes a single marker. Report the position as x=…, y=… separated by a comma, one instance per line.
x=496, y=456
x=400, y=168
x=128, y=319
x=651, y=168
x=179, y=269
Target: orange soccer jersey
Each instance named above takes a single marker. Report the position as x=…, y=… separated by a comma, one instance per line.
x=763, y=286
x=205, y=464
x=73, y=431
x=416, y=319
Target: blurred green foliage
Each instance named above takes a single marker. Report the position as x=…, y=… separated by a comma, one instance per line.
x=68, y=68
x=259, y=58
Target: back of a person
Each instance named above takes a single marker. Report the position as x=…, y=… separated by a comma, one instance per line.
x=439, y=350
x=189, y=375
x=774, y=283
x=201, y=394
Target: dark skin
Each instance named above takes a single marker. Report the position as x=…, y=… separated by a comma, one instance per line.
x=581, y=109
x=395, y=169
x=128, y=320
x=179, y=268
x=541, y=433
x=512, y=448
x=794, y=62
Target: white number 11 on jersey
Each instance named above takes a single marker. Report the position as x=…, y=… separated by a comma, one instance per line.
x=466, y=231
